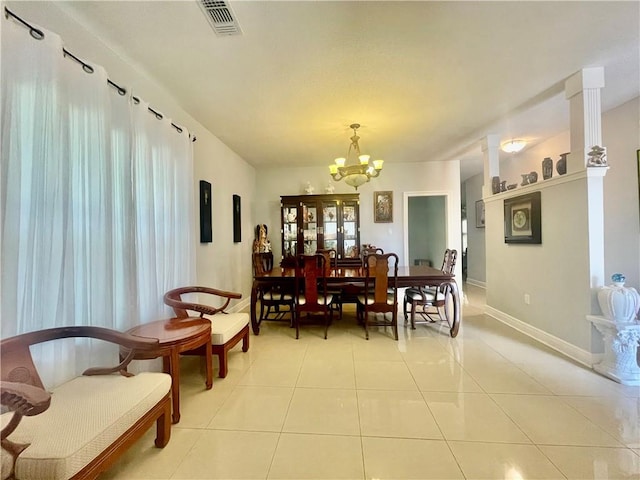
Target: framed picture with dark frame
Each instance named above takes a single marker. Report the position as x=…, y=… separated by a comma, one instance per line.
x=205, y=212
x=383, y=207
x=237, y=220
x=480, y=214
x=522, y=219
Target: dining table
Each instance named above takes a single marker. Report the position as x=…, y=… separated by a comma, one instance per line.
x=349, y=276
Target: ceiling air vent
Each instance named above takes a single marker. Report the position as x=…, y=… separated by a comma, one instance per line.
x=220, y=16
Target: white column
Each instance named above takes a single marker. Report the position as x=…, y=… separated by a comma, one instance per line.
x=582, y=89
x=490, y=155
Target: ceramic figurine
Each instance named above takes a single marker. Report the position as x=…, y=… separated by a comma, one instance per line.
x=503, y=186
x=597, y=157
x=533, y=177
x=309, y=188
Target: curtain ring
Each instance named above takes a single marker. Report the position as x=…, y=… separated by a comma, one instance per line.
x=87, y=68
x=35, y=33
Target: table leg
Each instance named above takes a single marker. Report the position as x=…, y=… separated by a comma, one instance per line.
x=173, y=365
x=254, y=301
x=209, y=365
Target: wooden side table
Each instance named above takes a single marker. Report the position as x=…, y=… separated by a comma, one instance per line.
x=176, y=335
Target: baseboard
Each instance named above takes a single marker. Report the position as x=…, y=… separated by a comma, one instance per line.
x=476, y=283
x=242, y=305
x=575, y=353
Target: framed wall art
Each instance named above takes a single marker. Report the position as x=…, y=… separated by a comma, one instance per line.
x=383, y=207
x=205, y=212
x=480, y=214
x=237, y=220
x=522, y=219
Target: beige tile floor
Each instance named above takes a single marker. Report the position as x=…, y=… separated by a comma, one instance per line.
x=489, y=404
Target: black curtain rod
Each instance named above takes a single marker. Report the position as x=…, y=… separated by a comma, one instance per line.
x=39, y=35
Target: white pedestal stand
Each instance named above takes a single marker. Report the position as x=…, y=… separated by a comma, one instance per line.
x=620, y=349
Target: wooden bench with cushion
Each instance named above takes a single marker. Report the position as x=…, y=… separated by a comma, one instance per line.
x=82, y=426
x=227, y=329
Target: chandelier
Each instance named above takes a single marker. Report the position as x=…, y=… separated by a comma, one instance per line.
x=360, y=173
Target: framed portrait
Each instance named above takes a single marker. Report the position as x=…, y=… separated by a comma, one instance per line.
x=480, y=214
x=383, y=207
x=522, y=218
x=205, y=212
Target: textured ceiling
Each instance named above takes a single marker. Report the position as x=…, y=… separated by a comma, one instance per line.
x=427, y=80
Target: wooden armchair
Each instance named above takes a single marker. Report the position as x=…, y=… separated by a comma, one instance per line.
x=430, y=300
x=227, y=329
x=96, y=431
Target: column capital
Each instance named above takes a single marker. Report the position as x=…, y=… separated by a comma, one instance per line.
x=592, y=77
x=490, y=141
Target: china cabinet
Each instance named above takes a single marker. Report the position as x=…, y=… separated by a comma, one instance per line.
x=310, y=222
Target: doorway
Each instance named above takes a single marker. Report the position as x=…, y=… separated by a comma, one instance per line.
x=425, y=228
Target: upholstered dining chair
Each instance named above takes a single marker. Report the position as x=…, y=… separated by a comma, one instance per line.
x=380, y=292
x=428, y=301
x=311, y=295
x=227, y=329
x=272, y=298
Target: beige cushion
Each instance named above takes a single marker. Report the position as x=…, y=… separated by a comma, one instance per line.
x=430, y=294
x=224, y=326
x=321, y=300
x=370, y=300
x=87, y=414
x=277, y=296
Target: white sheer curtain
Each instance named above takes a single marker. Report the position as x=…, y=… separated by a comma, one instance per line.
x=96, y=213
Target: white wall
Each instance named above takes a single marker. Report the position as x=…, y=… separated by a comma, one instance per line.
x=556, y=273
x=221, y=264
x=401, y=178
x=476, y=256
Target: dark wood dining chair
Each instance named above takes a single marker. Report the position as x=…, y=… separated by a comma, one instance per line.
x=331, y=265
x=380, y=292
x=311, y=295
x=272, y=298
x=430, y=300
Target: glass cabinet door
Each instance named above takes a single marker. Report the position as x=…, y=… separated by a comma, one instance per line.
x=350, y=243
x=289, y=230
x=310, y=227
x=330, y=225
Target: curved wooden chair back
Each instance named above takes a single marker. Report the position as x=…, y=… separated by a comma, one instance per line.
x=311, y=289
x=380, y=291
x=330, y=259
x=449, y=260
x=262, y=263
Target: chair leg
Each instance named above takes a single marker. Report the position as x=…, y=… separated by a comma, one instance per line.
x=245, y=341
x=413, y=315
x=365, y=318
x=404, y=307
x=296, y=321
x=395, y=324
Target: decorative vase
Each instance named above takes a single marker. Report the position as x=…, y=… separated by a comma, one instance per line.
x=533, y=177
x=547, y=168
x=503, y=186
x=617, y=302
x=525, y=179
x=561, y=166
x=495, y=184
